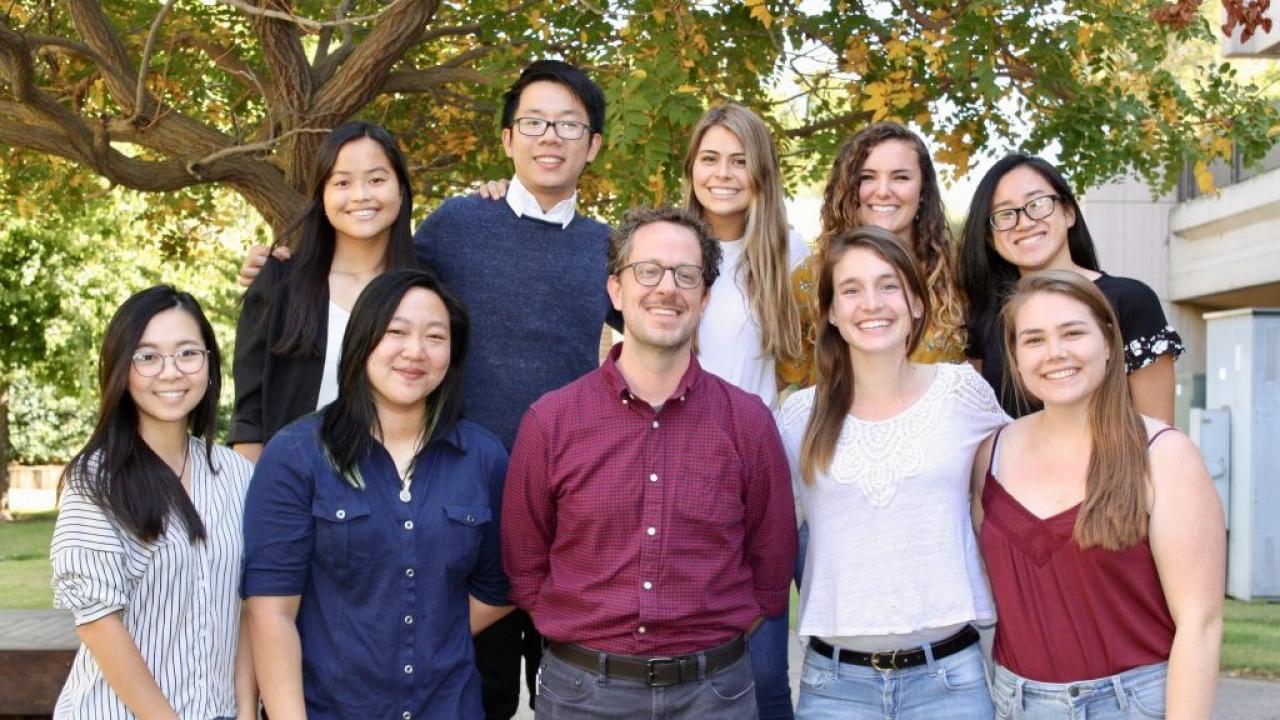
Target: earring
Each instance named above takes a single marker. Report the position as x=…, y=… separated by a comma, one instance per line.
x=831, y=320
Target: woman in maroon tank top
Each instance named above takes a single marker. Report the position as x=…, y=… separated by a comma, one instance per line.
x=1101, y=532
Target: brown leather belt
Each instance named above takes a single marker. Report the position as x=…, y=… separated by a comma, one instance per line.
x=899, y=659
x=653, y=671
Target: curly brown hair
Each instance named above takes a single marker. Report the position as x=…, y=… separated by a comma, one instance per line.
x=931, y=242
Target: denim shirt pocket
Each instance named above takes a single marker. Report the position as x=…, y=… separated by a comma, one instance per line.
x=464, y=532
x=342, y=531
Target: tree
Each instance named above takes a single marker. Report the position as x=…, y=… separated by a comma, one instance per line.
x=159, y=96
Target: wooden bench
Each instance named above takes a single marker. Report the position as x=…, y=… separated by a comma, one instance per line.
x=36, y=650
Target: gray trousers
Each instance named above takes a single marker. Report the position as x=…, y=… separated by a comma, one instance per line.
x=566, y=692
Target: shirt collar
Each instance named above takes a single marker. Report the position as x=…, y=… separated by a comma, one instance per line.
x=522, y=202
x=617, y=384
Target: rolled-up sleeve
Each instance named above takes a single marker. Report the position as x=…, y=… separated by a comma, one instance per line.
x=528, y=517
x=91, y=568
x=278, y=531
x=488, y=583
x=770, y=540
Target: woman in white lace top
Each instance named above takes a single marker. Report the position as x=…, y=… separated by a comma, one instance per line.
x=880, y=451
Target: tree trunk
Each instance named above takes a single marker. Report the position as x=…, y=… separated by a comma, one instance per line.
x=5, y=454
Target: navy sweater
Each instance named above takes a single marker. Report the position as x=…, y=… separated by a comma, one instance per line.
x=535, y=293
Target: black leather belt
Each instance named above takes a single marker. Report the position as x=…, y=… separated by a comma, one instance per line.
x=899, y=659
x=653, y=671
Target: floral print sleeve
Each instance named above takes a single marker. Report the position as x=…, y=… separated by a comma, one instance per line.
x=1147, y=333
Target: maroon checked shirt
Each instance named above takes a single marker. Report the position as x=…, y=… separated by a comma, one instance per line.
x=648, y=533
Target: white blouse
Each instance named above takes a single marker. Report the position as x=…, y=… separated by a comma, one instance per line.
x=891, y=545
x=179, y=600
x=729, y=341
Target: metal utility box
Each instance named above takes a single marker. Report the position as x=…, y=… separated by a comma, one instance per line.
x=1243, y=377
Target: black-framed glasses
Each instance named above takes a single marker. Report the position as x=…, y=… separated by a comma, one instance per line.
x=1038, y=209
x=649, y=274
x=186, y=360
x=564, y=129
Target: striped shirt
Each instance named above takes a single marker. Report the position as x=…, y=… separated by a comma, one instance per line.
x=179, y=600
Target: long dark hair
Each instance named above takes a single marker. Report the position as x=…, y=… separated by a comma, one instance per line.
x=347, y=430
x=833, y=391
x=311, y=238
x=116, y=468
x=986, y=278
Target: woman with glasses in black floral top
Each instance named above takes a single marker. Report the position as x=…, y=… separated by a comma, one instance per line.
x=1024, y=219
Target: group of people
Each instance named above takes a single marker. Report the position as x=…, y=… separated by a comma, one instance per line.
x=434, y=476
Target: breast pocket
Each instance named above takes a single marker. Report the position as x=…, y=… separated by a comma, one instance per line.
x=343, y=532
x=465, y=526
x=710, y=489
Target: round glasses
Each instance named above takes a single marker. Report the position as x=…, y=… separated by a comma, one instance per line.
x=150, y=364
x=1038, y=209
x=564, y=129
x=649, y=274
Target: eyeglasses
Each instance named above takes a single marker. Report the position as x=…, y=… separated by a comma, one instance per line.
x=187, y=361
x=649, y=274
x=1038, y=209
x=565, y=129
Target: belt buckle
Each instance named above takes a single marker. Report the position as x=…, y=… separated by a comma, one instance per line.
x=893, y=658
x=651, y=671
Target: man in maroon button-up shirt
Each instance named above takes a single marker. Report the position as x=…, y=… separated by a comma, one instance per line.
x=648, y=508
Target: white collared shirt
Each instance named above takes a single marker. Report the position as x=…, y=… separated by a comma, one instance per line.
x=524, y=203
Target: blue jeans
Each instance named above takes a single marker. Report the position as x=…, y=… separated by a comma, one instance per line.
x=769, y=660
x=1136, y=693
x=954, y=687
x=567, y=692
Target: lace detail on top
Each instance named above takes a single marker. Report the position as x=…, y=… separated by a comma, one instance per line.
x=877, y=456
x=1143, y=351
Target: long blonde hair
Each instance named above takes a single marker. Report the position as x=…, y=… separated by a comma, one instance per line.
x=1114, y=512
x=766, y=267
x=932, y=243
x=833, y=394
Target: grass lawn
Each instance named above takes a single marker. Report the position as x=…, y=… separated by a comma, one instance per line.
x=24, y=562
x=1251, y=639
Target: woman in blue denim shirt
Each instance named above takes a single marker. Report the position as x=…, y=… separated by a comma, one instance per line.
x=371, y=527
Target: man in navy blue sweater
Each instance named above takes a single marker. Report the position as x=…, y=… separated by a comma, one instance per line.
x=532, y=272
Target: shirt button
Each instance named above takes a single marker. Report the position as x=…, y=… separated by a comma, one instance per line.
x=408, y=619
x=471, y=519
x=408, y=524
x=655, y=424
x=406, y=715
x=653, y=477
x=408, y=572
x=340, y=514
x=648, y=585
x=408, y=669
x=640, y=629
x=652, y=531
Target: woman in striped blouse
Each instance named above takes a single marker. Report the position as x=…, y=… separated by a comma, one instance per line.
x=147, y=546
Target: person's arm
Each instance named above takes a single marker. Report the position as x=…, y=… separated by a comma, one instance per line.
x=248, y=367
x=1152, y=388
x=483, y=614
x=1188, y=542
x=277, y=654
x=257, y=258
x=769, y=517
x=246, y=686
x=977, y=480
x=125, y=670
x=528, y=514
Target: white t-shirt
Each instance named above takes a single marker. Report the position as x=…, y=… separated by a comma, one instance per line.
x=891, y=545
x=338, y=319
x=729, y=343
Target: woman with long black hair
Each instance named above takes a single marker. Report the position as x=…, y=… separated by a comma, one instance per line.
x=147, y=546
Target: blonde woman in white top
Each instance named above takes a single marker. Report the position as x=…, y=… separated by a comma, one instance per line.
x=880, y=449
x=147, y=547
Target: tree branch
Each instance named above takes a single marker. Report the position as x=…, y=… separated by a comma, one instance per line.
x=145, y=66
x=229, y=61
x=117, y=69
x=287, y=62
x=417, y=81
x=812, y=129
x=195, y=166
x=306, y=23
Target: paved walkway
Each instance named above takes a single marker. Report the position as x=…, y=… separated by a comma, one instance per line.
x=1238, y=698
